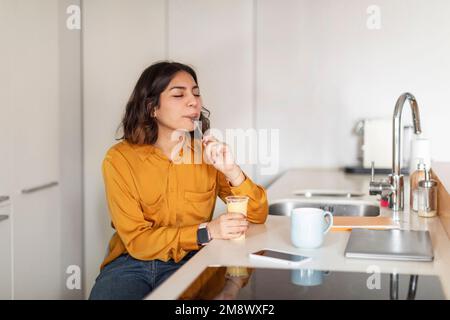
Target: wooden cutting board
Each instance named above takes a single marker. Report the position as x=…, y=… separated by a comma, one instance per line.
x=349, y=223
x=441, y=172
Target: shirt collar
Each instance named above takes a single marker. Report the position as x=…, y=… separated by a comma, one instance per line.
x=147, y=150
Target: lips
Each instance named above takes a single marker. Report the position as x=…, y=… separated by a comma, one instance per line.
x=193, y=117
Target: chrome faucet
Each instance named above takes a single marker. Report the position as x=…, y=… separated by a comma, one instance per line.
x=394, y=186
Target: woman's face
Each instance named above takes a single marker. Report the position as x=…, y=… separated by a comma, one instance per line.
x=180, y=103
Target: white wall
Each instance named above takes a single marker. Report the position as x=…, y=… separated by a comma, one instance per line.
x=324, y=68
x=216, y=37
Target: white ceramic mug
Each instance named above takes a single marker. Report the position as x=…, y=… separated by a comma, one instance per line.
x=309, y=226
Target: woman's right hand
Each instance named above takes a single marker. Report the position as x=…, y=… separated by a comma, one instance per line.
x=228, y=226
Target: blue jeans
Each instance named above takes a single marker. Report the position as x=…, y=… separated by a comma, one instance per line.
x=127, y=278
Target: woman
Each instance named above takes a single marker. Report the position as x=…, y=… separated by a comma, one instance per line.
x=162, y=210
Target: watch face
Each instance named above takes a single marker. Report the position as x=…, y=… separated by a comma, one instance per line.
x=202, y=236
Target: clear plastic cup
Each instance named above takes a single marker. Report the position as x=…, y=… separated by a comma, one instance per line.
x=237, y=204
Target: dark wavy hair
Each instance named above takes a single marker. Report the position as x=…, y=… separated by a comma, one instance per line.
x=138, y=126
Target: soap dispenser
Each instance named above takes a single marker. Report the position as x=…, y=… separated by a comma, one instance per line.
x=414, y=179
x=427, y=196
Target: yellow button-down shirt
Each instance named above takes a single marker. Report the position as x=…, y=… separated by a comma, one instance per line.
x=156, y=204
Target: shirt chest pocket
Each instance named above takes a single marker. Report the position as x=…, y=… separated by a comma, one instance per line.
x=199, y=205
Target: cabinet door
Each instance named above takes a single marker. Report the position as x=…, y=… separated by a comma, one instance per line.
x=36, y=238
x=5, y=252
x=5, y=145
x=5, y=98
x=35, y=92
x=35, y=144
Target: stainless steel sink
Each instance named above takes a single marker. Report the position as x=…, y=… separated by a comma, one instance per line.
x=325, y=193
x=338, y=208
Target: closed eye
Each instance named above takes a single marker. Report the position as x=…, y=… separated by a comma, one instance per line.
x=197, y=95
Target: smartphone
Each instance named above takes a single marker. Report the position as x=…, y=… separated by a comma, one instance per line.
x=271, y=255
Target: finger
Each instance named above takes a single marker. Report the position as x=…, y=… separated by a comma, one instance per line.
x=205, y=138
x=235, y=235
x=220, y=154
x=211, y=150
x=219, y=149
x=208, y=153
x=206, y=157
x=229, y=159
x=223, y=153
x=236, y=223
x=214, y=154
x=215, y=147
x=208, y=139
x=235, y=227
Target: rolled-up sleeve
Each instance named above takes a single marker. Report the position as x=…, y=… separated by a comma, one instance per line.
x=258, y=207
x=140, y=237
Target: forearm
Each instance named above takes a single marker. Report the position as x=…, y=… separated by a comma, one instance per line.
x=166, y=242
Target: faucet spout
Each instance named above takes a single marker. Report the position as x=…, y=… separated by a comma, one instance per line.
x=394, y=186
x=397, y=128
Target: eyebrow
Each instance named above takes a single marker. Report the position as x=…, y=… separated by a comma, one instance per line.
x=183, y=88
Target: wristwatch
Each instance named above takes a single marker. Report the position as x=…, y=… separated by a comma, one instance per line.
x=203, y=235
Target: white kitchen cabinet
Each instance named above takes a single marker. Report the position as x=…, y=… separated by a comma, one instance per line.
x=36, y=238
x=5, y=251
x=35, y=92
x=32, y=114
x=5, y=145
x=5, y=98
